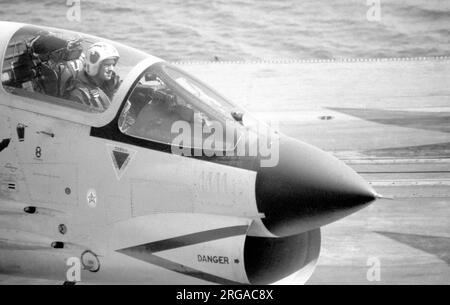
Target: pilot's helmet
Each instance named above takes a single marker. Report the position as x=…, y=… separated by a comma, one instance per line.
x=96, y=54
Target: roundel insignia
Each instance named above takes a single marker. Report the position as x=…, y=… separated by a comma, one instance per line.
x=92, y=198
x=94, y=57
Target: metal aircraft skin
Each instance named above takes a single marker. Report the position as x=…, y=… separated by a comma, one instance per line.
x=76, y=185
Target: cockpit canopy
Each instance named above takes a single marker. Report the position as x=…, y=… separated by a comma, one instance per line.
x=162, y=103
x=43, y=64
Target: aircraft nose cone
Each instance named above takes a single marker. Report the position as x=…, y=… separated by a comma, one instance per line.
x=307, y=189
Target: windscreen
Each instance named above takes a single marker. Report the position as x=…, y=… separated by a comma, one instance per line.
x=169, y=106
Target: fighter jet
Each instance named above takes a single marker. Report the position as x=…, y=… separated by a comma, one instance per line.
x=150, y=177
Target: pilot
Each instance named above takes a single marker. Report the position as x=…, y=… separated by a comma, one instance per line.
x=97, y=84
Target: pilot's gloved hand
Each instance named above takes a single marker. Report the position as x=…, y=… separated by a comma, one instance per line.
x=117, y=82
x=111, y=86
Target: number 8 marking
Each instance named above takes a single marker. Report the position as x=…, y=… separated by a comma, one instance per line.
x=38, y=152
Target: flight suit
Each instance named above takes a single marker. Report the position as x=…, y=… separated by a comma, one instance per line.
x=84, y=91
